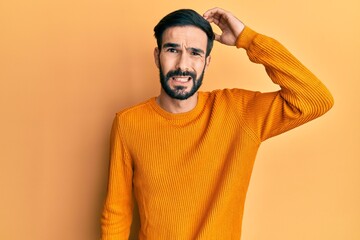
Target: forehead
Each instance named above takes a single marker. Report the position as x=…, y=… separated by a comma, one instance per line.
x=188, y=35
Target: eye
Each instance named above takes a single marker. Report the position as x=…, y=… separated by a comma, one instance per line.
x=195, y=53
x=172, y=50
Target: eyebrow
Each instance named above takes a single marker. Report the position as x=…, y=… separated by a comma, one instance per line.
x=169, y=45
x=175, y=45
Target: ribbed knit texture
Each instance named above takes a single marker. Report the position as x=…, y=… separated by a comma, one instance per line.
x=190, y=172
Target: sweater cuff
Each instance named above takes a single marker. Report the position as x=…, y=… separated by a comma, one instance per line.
x=245, y=38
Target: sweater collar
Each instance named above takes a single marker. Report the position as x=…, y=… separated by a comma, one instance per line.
x=181, y=116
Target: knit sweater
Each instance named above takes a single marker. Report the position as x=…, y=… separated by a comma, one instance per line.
x=190, y=171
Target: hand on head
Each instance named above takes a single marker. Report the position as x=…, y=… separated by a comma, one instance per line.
x=230, y=26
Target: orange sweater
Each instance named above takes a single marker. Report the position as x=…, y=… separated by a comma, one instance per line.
x=190, y=172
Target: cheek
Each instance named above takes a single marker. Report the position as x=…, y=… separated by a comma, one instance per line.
x=199, y=63
x=166, y=64
x=200, y=66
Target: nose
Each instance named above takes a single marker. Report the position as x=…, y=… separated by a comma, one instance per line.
x=183, y=62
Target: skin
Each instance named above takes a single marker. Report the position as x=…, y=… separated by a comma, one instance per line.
x=182, y=48
x=230, y=26
x=185, y=48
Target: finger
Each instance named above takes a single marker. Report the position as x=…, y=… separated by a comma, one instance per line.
x=214, y=17
x=217, y=16
x=213, y=20
x=214, y=11
x=217, y=37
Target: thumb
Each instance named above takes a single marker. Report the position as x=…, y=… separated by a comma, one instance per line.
x=217, y=37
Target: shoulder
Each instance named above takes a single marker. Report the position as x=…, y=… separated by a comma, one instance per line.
x=232, y=95
x=135, y=112
x=234, y=101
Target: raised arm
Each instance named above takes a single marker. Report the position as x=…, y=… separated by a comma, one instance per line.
x=302, y=96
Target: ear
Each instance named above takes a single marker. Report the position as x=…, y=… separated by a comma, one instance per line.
x=156, y=56
x=207, y=61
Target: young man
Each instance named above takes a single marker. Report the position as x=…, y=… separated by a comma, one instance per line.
x=188, y=155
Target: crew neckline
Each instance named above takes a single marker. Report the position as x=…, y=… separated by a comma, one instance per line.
x=179, y=116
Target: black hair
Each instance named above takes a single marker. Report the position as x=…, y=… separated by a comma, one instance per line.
x=184, y=17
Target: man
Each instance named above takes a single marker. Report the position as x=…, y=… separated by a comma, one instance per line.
x=188, y=155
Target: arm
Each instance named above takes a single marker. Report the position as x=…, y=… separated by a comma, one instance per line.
x=117, y=213
x=302, y=96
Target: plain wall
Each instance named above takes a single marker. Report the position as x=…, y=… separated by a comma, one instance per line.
x=66, y=68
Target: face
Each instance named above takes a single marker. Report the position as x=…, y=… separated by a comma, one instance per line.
x=182, y=61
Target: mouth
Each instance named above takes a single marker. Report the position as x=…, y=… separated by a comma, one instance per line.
x=181, y=79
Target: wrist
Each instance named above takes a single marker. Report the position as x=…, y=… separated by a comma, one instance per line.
x=245, y=38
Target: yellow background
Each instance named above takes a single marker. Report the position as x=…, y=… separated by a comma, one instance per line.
x=67, y=66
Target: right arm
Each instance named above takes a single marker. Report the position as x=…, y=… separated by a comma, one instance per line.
x=117, y=213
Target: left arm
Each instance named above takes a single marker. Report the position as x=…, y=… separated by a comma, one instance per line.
x=302, y=96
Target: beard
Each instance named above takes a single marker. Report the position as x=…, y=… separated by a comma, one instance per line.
x=179, y=92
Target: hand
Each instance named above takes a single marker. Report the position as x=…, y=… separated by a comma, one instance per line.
x=230, y=26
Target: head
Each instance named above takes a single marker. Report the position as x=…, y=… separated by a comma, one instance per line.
x=184, y=17
x=184, y=42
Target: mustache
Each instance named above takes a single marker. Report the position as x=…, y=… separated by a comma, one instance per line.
x=179, y=72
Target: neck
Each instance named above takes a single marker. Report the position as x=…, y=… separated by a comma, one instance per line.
x=172, y=105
